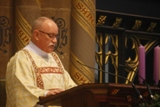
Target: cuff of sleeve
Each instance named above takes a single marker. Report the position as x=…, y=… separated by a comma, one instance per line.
x=45, y=94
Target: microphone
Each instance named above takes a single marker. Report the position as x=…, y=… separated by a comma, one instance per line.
x=134, y=87
x=144, y=81
x=147, y=85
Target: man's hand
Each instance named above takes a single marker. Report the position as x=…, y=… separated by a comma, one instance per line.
x=54, y=91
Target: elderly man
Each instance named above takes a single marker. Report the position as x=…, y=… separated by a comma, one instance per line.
x=36, y=70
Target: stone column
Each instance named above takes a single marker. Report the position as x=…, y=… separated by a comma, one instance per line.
x=83, y=40
x=26, y=11
x=6, y=42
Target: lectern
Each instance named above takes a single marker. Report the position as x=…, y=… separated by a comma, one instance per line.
x=100, y=95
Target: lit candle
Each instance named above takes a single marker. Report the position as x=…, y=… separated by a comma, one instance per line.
x=141, y=57
x=156, y=65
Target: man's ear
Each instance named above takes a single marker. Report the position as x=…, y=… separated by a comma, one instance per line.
x=36, y=34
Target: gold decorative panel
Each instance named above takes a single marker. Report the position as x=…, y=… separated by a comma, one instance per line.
x=123, y=34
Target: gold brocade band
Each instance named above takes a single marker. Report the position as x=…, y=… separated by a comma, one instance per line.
x=22, y=31
x=84, y=14
x=80, y=74
x=26, y=11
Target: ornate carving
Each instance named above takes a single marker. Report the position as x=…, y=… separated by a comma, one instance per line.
x=101, y=20
x=5, y=33
x=107, y=40
x=62, y=40
x=137, y=25
x=151, y=27
x=131, y=63
x=117, y=22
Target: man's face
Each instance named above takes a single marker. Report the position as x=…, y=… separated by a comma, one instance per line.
x=48, y=36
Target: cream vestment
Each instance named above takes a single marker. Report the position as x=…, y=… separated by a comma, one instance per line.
x=29, y=76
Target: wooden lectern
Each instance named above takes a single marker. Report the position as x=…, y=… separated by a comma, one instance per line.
x=100, y=95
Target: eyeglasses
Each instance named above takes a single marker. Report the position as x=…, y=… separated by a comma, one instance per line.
x=50, y=35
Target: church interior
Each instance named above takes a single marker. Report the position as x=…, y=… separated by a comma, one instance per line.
x=118, y=39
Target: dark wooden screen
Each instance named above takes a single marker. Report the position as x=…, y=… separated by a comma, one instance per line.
x=124, y=33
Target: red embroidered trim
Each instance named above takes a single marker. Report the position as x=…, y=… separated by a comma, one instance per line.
x=44, y=70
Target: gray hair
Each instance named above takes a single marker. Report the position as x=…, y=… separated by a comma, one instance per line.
x=39, y=22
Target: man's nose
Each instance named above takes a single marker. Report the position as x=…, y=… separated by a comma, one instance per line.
x=54, y=40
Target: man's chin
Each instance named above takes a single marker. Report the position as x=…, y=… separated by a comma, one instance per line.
x=50, y=50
